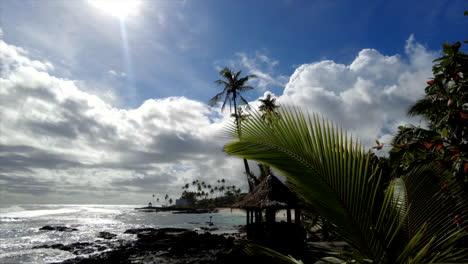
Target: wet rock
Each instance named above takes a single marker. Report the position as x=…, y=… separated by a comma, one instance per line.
x=106, y=235
x=209, y=228
x=57, y=228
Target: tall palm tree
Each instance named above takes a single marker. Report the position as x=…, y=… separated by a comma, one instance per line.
x=233, y=85
x=411, y=220
x=268, y=108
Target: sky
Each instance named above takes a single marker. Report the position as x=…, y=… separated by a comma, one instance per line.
x=106, y=102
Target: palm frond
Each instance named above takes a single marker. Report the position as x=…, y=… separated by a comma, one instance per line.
x=221, y=82
x=421, y=107
x=227, y=98
x=216, y=98
x=333, y=174
x=315, y=156
x=243, y=101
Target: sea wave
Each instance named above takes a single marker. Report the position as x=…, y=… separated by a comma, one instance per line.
x=36, y=213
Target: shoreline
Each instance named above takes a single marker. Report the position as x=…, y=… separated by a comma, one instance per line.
x=155, y=245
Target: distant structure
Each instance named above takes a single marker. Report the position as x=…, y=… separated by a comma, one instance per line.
x=261, y=205
x=181, y=202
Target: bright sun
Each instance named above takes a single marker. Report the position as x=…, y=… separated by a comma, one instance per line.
x=118, y=8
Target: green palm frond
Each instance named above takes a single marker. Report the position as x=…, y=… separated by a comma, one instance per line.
x=422, y=107
x=335, y=176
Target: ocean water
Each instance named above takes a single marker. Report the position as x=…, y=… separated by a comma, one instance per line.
x=20, y=224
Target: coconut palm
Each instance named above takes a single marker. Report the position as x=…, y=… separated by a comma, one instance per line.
x=268, y=107
x=233, y=85
x=413, y=220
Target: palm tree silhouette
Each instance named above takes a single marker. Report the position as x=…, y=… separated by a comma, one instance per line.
x=268, y=107
x=233, y=86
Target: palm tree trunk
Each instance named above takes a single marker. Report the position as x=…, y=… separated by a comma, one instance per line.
x=246, y=164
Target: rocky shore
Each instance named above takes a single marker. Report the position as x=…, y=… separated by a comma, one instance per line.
x=164, y=245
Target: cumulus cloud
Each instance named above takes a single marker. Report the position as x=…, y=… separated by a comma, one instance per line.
x=58, y=140
x=368, y=97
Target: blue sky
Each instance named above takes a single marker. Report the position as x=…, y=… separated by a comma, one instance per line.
x=175, y=45
x=81, y=99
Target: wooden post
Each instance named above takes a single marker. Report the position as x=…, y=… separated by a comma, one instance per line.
x=297, y=216
x=288, y=215
x=260, y=217
x=252, y=217
x=248, y=218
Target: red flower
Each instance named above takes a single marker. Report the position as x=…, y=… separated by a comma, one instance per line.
x=431, y=82
x=444, y=187
x=439, y=147
x=463, y=115
x=428, y=145
x=457, y=219
x=454, y=156
x=379, y=147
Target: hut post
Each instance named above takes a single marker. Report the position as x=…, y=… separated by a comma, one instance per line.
x=297, y=216
x=260, y=217
x=288, y=215
x=252, y=217
x=248, y=217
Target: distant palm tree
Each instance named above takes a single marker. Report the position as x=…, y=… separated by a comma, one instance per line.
x=170, y=201
x=268, y=107
x=240, y=116
x=233, y=86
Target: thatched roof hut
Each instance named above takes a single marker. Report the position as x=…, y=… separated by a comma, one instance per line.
x=269, y=196
x=270, y=193
x=262, y=204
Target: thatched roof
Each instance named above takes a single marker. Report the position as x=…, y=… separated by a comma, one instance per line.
x=270, y=193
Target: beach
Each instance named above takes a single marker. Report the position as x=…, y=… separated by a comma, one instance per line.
x=21, y=238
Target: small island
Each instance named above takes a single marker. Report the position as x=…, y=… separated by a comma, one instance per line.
x=198, y=197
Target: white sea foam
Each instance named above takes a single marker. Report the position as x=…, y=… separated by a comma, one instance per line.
x=36, y=213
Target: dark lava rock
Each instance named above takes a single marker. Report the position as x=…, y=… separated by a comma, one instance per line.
x=78, y=248
x=169, y=245
x=58, y=228
x=209, y=228
x=106, y=235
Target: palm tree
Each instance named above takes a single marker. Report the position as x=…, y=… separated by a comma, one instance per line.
x=240, y=116
x=412, y=220
x=268, y=107
x=233, y=86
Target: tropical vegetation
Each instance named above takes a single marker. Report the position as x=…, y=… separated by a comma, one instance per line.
x=200, y=194
x=233, y=85
x=413, y=212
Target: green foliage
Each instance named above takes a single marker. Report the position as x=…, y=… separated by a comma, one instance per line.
x=445, y=107
x=203, y=195
x=410, y=221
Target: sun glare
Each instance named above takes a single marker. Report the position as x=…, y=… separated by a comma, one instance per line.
x=118, y=8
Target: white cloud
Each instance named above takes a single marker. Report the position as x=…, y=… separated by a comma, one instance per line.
x=60, y=140
x=370, y=96
x=118, y=74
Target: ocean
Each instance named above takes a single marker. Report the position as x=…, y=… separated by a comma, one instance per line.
x=20, y=224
